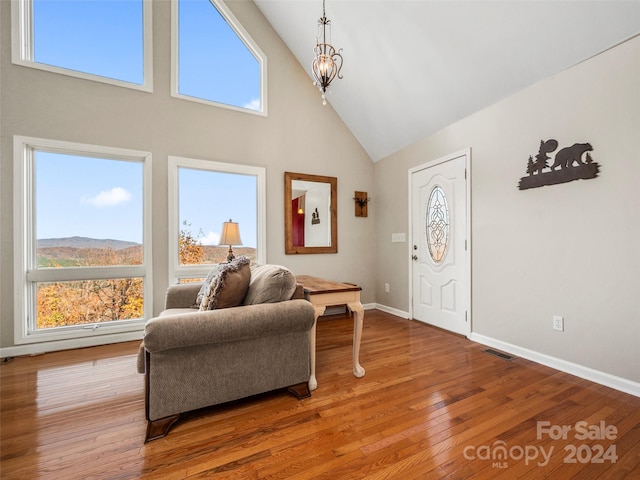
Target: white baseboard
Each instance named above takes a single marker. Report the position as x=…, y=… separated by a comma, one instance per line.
x=44, y=347
x=391, y=310
x=618, y=383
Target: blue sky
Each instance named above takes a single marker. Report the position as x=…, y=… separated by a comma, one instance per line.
x=209, y=199
x=208, y=46
x=105, y=38
x=94, y=36
x=88, y=197
x=107, y=202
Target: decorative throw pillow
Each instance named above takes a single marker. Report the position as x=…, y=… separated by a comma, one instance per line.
x=207, y=283
x=229, y=287
x=270, y=284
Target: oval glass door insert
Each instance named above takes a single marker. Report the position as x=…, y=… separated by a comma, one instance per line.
x=437, y=222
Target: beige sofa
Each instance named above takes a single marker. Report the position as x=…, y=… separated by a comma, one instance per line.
x=193, y=359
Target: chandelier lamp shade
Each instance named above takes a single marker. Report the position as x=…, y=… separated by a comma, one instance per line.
x=327, y=61
x=230, y=236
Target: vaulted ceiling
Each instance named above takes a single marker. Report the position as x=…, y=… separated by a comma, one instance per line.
x=413, y=67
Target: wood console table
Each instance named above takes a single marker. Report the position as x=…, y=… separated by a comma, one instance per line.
x=325, y=293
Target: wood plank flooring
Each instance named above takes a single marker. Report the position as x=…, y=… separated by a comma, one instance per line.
x=431, y=406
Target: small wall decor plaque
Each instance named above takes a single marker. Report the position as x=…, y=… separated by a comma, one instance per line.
x=361, y=202
x=570, y=163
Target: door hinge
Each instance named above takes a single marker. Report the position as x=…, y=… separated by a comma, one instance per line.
x=465, y=173
x=465, y=245
x=465, y=316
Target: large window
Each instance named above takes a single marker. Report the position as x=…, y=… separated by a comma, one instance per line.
x=215, y=61
x=82, y=240
x=103, y=40
x=202, y=196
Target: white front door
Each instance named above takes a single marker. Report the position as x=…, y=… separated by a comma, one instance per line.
x=440, y=270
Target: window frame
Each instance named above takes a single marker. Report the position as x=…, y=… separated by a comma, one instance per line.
x=26, y=273
x=177, y=271
x=22, y=49
x=243, y=35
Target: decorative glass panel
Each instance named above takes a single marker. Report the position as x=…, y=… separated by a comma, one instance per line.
x=437, y=221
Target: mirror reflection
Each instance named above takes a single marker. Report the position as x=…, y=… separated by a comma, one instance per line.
x=310, y=213
x=311, y=210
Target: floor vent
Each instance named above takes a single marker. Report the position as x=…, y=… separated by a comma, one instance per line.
x=498, y=354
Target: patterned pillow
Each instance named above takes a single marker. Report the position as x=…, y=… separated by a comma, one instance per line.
x=207, y=283
x=229, y=287
x=270, y=284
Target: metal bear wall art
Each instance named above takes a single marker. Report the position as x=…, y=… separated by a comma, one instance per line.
x=570, y=163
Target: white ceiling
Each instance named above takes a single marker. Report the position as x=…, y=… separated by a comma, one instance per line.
x=414, y=67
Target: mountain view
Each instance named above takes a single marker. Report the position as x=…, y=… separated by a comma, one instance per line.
x=84, y=242
x=84, y=251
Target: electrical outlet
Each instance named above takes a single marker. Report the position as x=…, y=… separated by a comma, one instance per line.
x=386, y=287
x=398, y=237
x=558, y=323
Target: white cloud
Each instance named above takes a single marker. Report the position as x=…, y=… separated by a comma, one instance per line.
x=254, y=104
x=211, y=238
x=109, y=198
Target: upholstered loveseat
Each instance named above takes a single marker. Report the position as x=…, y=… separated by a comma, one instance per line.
x=194, y=357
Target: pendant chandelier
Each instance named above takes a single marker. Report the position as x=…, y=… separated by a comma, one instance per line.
x=327, y=62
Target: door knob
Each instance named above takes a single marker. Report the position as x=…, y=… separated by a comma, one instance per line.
x=415, y=257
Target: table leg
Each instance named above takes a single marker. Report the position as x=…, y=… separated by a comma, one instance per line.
x=313, y=382
x=358, y=317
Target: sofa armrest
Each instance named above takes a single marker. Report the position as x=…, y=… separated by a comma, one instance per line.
x=182, y=295
x=227, y=324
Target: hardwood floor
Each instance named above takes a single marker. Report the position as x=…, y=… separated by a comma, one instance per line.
x=431, y=406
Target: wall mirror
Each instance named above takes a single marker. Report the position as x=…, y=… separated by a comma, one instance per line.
x=310, y=213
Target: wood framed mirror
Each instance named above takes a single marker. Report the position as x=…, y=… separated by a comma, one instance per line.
x=310, y=213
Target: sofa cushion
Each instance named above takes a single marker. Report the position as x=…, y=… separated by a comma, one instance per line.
x=229, y=287
x=270, y=284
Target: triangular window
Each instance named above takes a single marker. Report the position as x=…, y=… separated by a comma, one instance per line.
x=215, y=60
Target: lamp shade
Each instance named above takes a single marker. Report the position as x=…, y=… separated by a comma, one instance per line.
x=230, y=234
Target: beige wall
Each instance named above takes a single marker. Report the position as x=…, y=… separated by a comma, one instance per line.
x=569, y=249
x=47, y=105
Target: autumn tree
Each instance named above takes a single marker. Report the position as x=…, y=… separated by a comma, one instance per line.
x=94, y=301
x=190, y=248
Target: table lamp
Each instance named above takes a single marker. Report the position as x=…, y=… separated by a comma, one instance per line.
x=230, y=236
